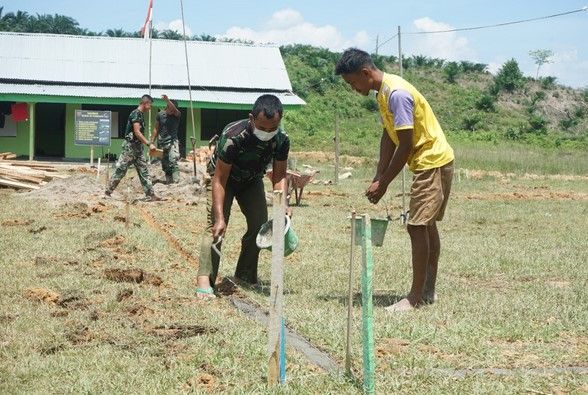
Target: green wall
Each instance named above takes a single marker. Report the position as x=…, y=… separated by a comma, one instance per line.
x=19, y=144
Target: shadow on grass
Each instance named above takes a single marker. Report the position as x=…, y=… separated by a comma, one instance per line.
x=380, y=298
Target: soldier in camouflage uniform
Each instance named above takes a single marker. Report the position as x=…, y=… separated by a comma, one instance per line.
x=243, y=152
x=132, y=150
x=167, y=124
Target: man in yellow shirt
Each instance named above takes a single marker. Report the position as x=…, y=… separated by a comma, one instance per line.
x=412, y=135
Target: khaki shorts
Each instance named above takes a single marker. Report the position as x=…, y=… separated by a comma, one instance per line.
x=429, y=194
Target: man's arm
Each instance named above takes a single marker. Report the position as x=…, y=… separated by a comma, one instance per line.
x=138, y=134
x=155, y=132
x=387, y=148
x=219, y=183
x=170, y=107
x=399, y=159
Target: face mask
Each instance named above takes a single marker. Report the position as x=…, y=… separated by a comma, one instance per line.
x=264, y=136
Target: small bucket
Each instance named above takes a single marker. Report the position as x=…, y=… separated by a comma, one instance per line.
x=264, y=237
x=379, y=226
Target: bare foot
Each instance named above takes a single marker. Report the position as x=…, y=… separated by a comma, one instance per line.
x=400, y=306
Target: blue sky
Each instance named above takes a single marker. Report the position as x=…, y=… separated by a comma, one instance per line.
x=352, y=23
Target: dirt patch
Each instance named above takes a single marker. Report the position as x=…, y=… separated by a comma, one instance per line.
x=113, y=241
x=327, y=193
x=124, y=294
x=6, y=318
x=75, y=189
x=42, y=295
x=201, y=382
x=36, y=231
x=80, y=335
x=80, y=210
x=391, y=347
x=140, y=310
x=226, y=287
x=481, y=174
x=17, y=222
x=132, y=276
x=73, y=301
x=178, y=331
x=328, y=157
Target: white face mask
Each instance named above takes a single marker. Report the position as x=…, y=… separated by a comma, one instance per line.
x=262, y=135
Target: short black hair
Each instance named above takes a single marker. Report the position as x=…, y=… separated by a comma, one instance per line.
x=147, y=98
x=353, y=60
x=269, y=104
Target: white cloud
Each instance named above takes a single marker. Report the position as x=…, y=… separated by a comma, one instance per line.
x=448, y=46
x=288, y=26
x=175, y=25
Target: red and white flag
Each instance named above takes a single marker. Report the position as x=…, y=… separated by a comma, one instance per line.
x=145, y=33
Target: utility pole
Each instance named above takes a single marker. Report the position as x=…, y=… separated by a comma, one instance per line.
x=377, y=43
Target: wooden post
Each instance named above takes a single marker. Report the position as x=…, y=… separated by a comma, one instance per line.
x=350, y=298
x=127, y=208
x=336, y=181
x=108, y=168
x=91, y=156
x=277, y=289
x=31, y=131
x=369, y=364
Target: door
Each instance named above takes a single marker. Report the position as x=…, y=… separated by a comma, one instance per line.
x=50, y=130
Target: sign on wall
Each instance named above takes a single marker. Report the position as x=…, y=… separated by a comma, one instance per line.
x=92, y=127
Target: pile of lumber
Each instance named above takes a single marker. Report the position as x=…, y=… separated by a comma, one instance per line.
x=202, y=154
x=26, y=175
x=7, y=155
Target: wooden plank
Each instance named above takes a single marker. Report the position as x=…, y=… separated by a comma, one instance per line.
x=20, y=177
x=276, y=310
x=18, y=185
x=38, y=166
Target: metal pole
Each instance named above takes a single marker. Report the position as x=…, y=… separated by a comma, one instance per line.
x=150, y=57
x=369, y=363
x=336, y=149
x=377, y=43
x=276, y=313
x=189, y=83
x=350, y=297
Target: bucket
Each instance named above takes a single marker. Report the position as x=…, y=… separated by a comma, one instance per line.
x=264, y=237
x=378, y=225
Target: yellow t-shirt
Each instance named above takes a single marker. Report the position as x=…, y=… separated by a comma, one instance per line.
x=431, y=149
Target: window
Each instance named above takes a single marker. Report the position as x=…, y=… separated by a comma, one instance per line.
x=214, y=121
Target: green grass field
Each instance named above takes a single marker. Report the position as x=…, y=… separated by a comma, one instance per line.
x=512, y=293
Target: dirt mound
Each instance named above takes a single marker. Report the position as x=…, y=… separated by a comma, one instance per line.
x=540, y=195
x=124, y=294
x=42, y=295
x=17, y=222
x=328, y=157
x=77, y=188
x=178, y=331
x=132, y=276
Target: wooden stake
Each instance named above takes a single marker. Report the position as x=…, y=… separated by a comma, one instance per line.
x=350, y=298
x=277, y=289
x=369, y=364
x=108, y=168
x=336, y=181
x=127, y=209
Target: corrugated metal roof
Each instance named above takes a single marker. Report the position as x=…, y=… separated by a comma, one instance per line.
x=208, y=96
x=124, y=62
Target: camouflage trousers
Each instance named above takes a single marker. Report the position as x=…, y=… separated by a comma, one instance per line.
x=169, y=162
x=132, y=154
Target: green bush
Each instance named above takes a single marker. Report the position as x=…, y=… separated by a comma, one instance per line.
x=509, y=77
x=370, y=104
x=514, y=133
x=471, y=121
x=486, y=103
x=537, y=124
x=580, y=112
x=548, y=82
x=568, y=123
x=451, y=71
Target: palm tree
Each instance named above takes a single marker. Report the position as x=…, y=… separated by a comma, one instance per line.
x=116, y=33
x=170, y=35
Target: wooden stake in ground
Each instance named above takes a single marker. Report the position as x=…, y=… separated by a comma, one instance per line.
x=336, y=180
x=108, y=168
x=350, y=298
x=276, y=309
x=127, y=208
x=367, y=308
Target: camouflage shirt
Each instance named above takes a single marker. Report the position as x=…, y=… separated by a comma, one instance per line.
x=168, y=127
x=134, y=117
x=248, y=156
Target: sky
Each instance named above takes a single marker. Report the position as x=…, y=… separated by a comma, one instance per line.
x=344, y=23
